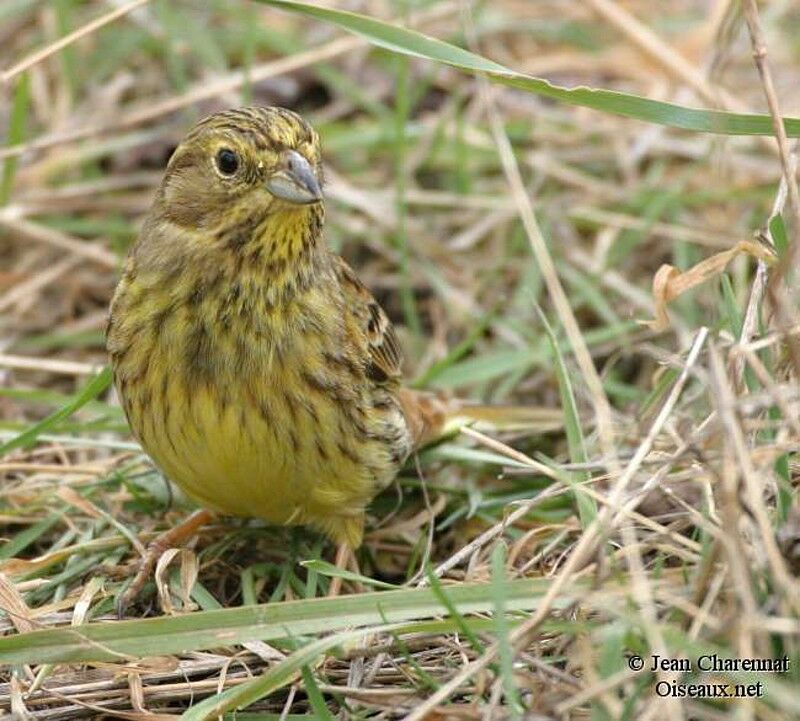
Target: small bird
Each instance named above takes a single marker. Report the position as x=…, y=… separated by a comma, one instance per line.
x=254, y=367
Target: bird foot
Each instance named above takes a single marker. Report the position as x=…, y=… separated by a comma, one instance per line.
x=345, y=560
x=174, y=537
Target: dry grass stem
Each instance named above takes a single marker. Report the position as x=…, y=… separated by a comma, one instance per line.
x=643, y=504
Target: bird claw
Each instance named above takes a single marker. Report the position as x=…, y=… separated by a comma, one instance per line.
x=155, y=549
x=143, y=574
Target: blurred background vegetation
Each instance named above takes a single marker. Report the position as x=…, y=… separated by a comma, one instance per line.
x=433, y=176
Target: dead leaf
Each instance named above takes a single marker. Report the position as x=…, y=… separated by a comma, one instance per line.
x=83, y=604
x=14, y=605
x=669, y=283
x=188, y=577
x=76, y=500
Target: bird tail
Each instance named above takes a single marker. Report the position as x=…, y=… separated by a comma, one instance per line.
x=431, y=417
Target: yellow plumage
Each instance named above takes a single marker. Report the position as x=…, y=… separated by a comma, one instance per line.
x=254, y=367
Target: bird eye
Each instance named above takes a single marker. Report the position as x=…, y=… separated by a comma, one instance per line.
x=227, y=161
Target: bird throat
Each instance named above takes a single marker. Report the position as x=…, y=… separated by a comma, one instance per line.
x=278, y=250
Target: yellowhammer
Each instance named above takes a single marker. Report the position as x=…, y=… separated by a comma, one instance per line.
x=254, y=367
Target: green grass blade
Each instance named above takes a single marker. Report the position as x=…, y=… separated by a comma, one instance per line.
x=409, y=42
x=266, y=716
x=777, y=229
x=329, y=569
x=315, y=697
x=107, y=641
x=93, y=389
x=16, y=134
x=506, y=652
x=23, y=539
x=278, y=676
x=441, y=594
x=455, y=353
x=732, y=315
x=287, y=670
x=587, y=506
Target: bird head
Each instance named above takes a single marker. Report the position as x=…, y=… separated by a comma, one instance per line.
x=237, y=163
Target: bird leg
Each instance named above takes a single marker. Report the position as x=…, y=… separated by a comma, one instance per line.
x=344, y=555
x=169, y=539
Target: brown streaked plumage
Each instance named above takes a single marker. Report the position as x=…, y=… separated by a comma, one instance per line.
x=255, y=368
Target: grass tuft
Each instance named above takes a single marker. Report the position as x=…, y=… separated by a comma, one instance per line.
x=612, y=139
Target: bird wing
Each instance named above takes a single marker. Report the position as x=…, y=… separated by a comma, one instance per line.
x=383, y=358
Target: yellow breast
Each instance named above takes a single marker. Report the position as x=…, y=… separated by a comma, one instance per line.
x=264, y=418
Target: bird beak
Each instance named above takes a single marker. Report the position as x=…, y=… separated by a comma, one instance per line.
x=296, y=181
